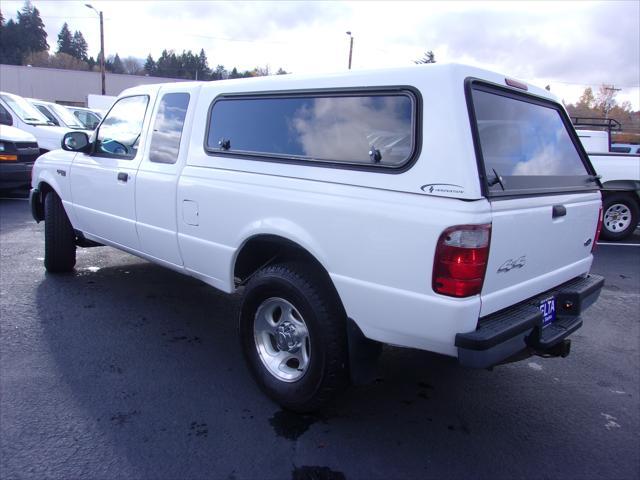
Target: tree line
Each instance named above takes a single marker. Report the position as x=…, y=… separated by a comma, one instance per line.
x=24, y=42
x=603, y=104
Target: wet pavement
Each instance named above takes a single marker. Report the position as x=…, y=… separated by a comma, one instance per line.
x=127, y=370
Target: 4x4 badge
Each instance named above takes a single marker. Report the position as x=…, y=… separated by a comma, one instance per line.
x=512, y=263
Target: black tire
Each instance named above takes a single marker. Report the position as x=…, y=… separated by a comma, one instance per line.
x=316, y=301
x=59, y=237
x=620, y=216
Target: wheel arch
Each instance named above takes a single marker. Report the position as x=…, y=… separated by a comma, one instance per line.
x=261, y=249
x=622, y=186
x=37, y=201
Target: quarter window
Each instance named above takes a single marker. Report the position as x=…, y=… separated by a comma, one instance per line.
x=119, y=134
x=369, y=129
x=167, y=130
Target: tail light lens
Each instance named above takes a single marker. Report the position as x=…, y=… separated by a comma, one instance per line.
x=598, y=229
x=461, y=260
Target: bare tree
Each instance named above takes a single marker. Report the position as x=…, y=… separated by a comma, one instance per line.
x=132, y=66
x=606, y=99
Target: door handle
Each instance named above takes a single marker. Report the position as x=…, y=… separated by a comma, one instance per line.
x=123, y=177
x=559, y=211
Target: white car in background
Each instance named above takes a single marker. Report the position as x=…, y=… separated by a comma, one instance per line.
x=88, y=117
x=625, y=148
x=57, y=114
x=619, y=172
x=18, y=112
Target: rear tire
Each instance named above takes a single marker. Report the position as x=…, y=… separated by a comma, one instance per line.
x=293, y=334
x=59, y=237
x=620, y=216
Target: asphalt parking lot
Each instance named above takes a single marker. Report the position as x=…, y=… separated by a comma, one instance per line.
x=127, y=370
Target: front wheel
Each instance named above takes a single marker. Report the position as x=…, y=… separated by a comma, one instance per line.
x=620, y=216
x=293, y=335
x=59, y=237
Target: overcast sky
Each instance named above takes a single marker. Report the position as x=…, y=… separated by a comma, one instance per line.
x=567, y=45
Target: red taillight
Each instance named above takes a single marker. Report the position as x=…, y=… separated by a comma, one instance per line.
x=598, y=229
x=461, y=260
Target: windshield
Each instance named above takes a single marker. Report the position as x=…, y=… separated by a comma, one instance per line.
x=66, y=116
x=525, y=144
x=27, y=112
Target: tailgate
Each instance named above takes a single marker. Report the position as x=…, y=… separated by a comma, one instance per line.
x=537, y=243
x=544, y=196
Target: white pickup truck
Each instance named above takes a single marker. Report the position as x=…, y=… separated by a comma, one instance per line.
x=620, y=178
x=442, y=207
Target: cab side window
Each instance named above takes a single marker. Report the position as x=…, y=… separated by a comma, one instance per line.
x=119, y=134
x=167, y=129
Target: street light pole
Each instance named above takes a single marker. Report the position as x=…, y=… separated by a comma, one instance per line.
x=350, y=49
x=102, y=69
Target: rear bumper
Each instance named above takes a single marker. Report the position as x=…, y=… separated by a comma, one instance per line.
x=504, y=334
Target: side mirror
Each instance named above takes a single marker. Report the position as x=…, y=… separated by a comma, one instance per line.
x=76, y=142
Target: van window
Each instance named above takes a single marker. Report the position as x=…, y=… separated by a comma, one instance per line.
x=120, y=131
x=621, y=149
x=167, y=129
x=525, y=144
x=5, y=117
x=24, y=110
x=48, y=114
x=371, y=129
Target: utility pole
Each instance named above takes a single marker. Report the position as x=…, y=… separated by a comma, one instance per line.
x=102, y=66
x=350, y=48
x=613, y=89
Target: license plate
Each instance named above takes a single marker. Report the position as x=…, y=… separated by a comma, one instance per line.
x=548, y=309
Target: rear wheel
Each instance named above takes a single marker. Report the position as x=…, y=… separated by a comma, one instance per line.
x=620, y=216
x=59, y=237
x=293, y=334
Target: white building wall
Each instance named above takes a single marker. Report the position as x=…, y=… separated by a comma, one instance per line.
x=56, y=85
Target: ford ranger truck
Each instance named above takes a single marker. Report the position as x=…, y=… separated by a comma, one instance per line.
x=443, y=207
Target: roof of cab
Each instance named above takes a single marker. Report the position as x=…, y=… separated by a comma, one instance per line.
x=373, y=77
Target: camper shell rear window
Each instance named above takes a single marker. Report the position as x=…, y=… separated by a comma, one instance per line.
x=525, y=144
x=344, y=128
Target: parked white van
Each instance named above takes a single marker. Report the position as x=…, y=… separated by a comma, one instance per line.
x=441, y=207
x=18, y=152
x=18, y=112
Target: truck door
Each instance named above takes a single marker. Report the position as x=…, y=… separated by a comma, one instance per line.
x=158, y=177
x=103, y=182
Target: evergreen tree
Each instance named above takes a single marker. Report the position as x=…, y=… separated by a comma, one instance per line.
x=203, y=66
x=79, y=46
x=116, y=65
x=150, y=66
x=34, y=36
x=234, y=73
x=65, y=40
x=11, y=52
